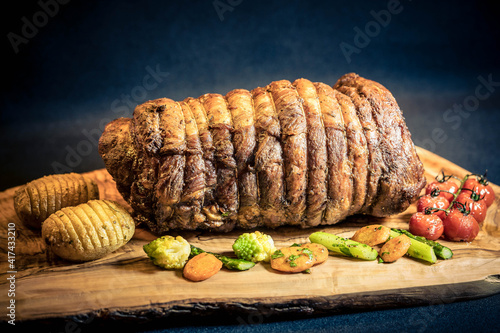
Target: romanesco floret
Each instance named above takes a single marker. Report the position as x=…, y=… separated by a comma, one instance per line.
x=168, y=252
x=254, y=246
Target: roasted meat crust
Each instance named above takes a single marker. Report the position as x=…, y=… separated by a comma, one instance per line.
x=317, y=172
x=269, y=163
x=240, y=105
x=357, y=152
x=294, y=146
x=117, y=149
x=188, y=211
x=401, y=179
x=370, y=130
x=290, y=153
x=339, y=180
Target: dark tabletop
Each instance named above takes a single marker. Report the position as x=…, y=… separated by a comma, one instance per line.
x=72, y=66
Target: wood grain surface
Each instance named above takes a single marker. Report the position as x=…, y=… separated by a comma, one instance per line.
x=126, y=287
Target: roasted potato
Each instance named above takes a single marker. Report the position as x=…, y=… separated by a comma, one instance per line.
x=395, y=248
x=35, y=201
x=320, y=252
x=88, y=231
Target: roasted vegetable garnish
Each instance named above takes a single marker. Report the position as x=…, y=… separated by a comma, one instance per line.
x=344, y=246
x=168, y=252
x=254, y=246
x=227, y=262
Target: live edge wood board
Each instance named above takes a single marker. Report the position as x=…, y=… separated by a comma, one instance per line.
x=126, y=286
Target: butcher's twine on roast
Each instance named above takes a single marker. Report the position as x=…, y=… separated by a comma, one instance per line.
x=301, y=153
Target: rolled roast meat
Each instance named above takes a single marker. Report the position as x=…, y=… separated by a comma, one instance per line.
x=291, y=153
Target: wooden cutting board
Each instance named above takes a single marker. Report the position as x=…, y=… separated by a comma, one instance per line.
x=126, y=287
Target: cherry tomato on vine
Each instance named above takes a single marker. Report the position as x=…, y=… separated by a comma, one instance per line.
x=476, y=205
x=433, y=201
x=429, y=226
x=481, y=186
x=445, y=184
x=459, y=225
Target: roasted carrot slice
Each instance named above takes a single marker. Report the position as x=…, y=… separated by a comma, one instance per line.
x=201, y=267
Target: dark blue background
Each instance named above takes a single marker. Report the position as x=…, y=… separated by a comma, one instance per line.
x=86, y=64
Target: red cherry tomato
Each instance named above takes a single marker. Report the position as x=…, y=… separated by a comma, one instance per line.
x=472, y=202
x=480, y=185
x=429, y=226
x=460, y=226
x=433, y=201
x=448, y=185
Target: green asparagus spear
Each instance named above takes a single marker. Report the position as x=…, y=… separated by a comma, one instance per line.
x=229, y=263
x=418, y=249
x=441, y=251
x=344, y=246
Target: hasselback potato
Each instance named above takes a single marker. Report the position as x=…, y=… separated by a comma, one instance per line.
x=291, y=153
x=36, y=200
x=88, y=231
